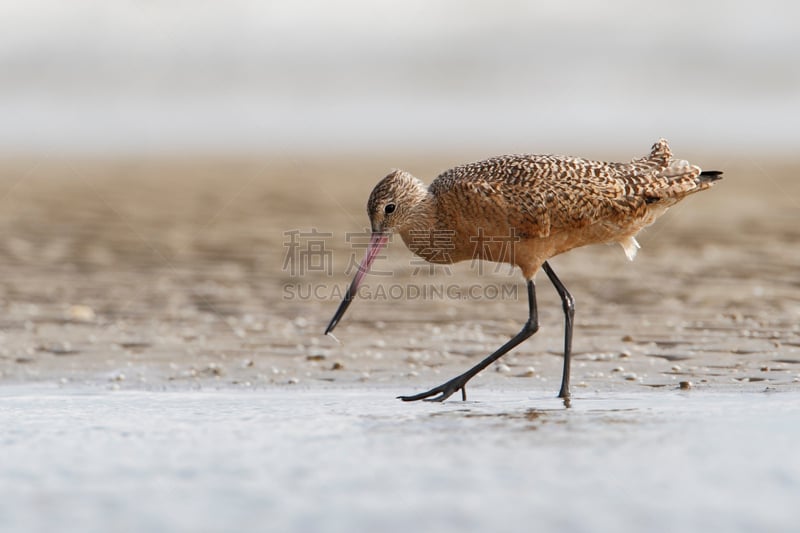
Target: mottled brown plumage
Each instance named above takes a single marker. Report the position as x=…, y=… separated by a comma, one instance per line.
x=551, y=204
x=523, y=210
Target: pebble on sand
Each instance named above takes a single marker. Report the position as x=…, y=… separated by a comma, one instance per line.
x=213, y=369
x=502, y=368
x=685, y=385
x=59, y=348
x=80, y=313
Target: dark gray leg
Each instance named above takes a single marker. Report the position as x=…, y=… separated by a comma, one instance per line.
x=568, y=303
x=445, y=390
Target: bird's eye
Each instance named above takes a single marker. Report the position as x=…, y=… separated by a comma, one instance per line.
x=389, y=209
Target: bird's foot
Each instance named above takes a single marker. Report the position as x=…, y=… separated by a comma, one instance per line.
x=565, y=397
x=444, y=391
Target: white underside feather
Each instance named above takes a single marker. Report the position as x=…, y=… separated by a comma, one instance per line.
x=631, y=246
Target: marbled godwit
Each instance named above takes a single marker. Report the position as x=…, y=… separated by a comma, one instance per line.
x=548, y=204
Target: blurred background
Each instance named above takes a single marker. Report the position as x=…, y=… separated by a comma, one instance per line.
x=157, y=156
x=244, y=76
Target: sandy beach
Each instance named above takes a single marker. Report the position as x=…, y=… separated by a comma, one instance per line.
x=163, y=366
x=175, y=273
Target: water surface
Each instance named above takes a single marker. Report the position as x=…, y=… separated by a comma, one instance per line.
x=357, y=460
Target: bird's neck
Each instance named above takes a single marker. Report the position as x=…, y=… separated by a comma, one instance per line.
x=419, y=234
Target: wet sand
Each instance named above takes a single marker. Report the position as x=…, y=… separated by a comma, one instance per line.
x=175, y=273
x=163, y=366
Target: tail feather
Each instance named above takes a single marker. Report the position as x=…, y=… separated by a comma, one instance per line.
x=660, y=152
x=710, y=175
x=678, y=180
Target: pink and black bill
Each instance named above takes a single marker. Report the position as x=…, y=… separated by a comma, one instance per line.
x=376, y=243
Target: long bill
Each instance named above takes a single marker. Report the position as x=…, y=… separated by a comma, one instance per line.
x=376, y=243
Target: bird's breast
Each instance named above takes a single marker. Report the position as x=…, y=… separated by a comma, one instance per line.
x=453, y=244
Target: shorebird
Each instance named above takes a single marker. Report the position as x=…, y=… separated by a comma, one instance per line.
x=523, y=210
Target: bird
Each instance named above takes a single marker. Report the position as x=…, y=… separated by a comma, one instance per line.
x=523, y=210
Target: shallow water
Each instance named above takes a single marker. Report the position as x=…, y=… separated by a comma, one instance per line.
x=358, y=460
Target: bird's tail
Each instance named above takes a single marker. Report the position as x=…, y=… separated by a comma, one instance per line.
x=681, y=179
x=709, y=176
x=674, y=168
x=677, y=178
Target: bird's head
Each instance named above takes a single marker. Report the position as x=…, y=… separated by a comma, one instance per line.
x=391, y=207
x=392, y=203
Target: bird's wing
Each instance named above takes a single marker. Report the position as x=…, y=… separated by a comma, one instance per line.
x=539, y=194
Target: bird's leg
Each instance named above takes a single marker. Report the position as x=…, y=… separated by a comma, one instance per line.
x=459, y=382
x=568, y=303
